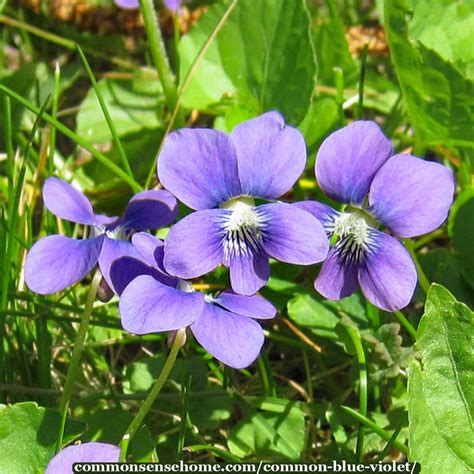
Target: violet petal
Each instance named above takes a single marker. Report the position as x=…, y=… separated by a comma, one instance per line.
x=411, y=196
x=67, y=202
x=248, y=272
x=87, y=452
x=271, y=155
x=324, y=213
x=56, y=262
x=112, y=250
x=388, y=277
x=150, y=210
x=336, y=279
x=254, y=306
x=292, y=235
x=199, y=166
x=233, y=339
x=193, y=245
x=348, y=160
x=148, y=306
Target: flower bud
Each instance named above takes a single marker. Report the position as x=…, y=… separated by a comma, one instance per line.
x=104, y=292
x=172, y=336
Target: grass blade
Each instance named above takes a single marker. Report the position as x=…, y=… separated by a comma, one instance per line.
x=77, y=139
x=106, y=113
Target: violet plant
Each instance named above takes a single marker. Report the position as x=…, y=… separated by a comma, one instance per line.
x=356, y=166
x=152, y=301
x=220, y=177
x=56, y=262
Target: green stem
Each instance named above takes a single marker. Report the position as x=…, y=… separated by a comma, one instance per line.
x=356, y=340
x=160, y=59
x=363, y=63
x=76, y=355
x=422, y=278
x=187, y=81
x=406, y=324
x=375, y=428
x=54, y=115
x=176, y=38
x=339, y=82
x=154, y=392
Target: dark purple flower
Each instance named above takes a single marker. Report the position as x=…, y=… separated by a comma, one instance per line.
x=56, y=262
x=219, y=176
x=171, y=5
x=88, y=452
x=406, y=194
x=152, y=301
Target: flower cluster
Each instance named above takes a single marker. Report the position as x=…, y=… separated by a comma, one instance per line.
x=407, y=195
x=232, y=184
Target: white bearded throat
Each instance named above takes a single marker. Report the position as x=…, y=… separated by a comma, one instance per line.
x=117, y=233
x=242, y=228
x=352, y=236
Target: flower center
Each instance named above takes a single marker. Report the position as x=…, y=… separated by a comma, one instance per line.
x=117, y=233
x=185, y=286
x=351, y=235
x=209, y=299
x=242, y=227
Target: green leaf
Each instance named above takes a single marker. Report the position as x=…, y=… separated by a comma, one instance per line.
x=108, y=425
x=442, y=267
x=332, y=48
x=439, y=98
x=28, y=436
x=322, y=118
x=248, y=439
x=443, y=388
x=461, y=230
x=133, y=106
x=263, y=53
x=427, y=445
x=432, y=25
x=321, y=316
x=35, y=82
x=388, y=355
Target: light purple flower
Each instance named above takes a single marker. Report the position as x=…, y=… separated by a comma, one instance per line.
x=408, y=195
x=152, y=301
x=87, y=452
x=219, y=176
x=56, y=262
x=171, y=5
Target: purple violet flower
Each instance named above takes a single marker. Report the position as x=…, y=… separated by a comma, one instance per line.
x=408, y=195
x=219, y=176
x=87, y=452
x=152, y=301
x=171, y=5
x=56, y=262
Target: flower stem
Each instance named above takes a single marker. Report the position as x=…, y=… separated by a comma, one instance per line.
x=406, y=324
x=154, y=392
x=160, y=59
x=422, y=278
x=355, y=336
x=187, y=80
x=363, y=64
x=76, y=355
